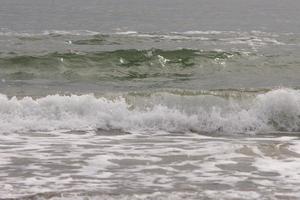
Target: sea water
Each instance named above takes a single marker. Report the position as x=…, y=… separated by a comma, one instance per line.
x=139, y=99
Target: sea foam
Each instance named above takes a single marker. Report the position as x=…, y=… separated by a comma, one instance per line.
x=277, y=110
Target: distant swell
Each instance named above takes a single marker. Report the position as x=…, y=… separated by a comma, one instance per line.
x=277, y=110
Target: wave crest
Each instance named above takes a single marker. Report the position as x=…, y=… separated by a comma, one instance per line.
x=277, y=110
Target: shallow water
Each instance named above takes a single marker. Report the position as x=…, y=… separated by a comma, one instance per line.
x=101, y=164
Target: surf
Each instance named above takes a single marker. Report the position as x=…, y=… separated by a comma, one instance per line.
x=276, y=110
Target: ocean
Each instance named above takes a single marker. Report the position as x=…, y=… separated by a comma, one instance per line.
x=139, y=99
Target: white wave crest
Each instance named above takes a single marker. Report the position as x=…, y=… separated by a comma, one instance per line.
x=277, y=110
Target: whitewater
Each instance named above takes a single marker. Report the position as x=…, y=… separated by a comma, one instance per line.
x=158, y=145
x=274, y=111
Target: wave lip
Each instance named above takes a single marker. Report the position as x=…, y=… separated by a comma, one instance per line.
x=277, y=110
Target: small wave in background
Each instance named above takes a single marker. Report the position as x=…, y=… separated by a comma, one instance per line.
x=131, y=61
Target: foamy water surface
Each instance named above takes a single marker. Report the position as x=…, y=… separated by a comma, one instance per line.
x=144, y=165
x=196, y=146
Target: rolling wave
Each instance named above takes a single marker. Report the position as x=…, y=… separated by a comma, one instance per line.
x=124, y=64
x=277, y=110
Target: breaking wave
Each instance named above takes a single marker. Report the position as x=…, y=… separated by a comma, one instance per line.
x=277, y=110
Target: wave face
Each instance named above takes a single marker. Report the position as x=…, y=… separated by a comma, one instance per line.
x=119, y=64
x=277, y=110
